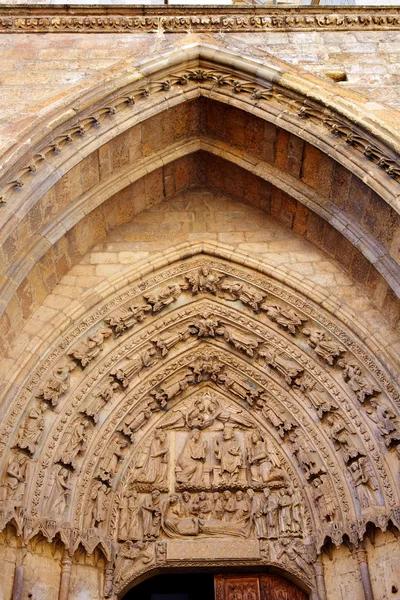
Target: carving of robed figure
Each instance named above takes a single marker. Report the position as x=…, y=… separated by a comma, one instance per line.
x=192, y=459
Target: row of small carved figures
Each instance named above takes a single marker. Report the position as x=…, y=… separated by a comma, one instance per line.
x=207, y=281
x=268, y=514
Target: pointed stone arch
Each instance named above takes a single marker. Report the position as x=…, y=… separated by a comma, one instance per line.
x=307, y=111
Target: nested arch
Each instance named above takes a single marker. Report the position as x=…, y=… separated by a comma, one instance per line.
x=218, y=119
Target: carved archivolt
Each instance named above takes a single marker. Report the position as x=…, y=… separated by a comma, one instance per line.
x=206, y=401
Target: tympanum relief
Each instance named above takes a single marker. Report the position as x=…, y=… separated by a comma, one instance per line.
x=207, y=471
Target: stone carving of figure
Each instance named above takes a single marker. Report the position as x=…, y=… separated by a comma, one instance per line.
x=316, y=394
x=129, y=553
x=240, y=341
x=272, y=511
x=361, y=387
x=288, y=368
x=229, y=505
x=324, y=498
x=152, y=465
x=130, y=517
x=285, y=512
x=152, y=515
x=110, y=461
x=342, y=436
x=297, y=515
x=386, y=421
x=292, y=551
x=259, y=458
x=87, y=349
x=218, y=509
x=242, y=507
x=101, y=398
x=306, y=455
x=174, y=521
x=73, y=443
x=286, y=318
x=192, y=459
x=163, y=298
x=364, y=481
x=258, y=512
x=56, y=385
x=206, y=327
x=99, y=503
x=324, y=346
x=60, y=492
x=244, y=293
x=277, y=417
x=165, y=343
x=15, y=480
x=229, y=454
x=205, y=505
x=203, y=281
x=144, y=359
x=133, y=314
x=133, y=423
x=30, y=431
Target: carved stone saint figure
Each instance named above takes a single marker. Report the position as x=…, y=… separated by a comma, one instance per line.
x=324, y=346
x=60, y=492
x=387, y=422
x=324, y=498
x=306, y=455
x=229, y=454
x=31, y=429
x=342, y=436
x=57, y=384
x=15, y=481
x=364, y=481
x=130, y=517
x=258, y=512
x=152, y=465
x=74, y=442
x=258, y=458
x=151, y=515
x=316, y=394
x=109, y=462
x=87, y=349
x=192, y=459
x=101, y=398
x=362, y=388
x=99, y=497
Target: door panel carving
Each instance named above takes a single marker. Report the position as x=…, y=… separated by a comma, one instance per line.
x=256, y=587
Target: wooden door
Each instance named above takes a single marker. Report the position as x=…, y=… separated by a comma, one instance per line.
x=256, y=587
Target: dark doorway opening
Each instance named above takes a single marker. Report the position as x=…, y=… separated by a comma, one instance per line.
x=179, y=586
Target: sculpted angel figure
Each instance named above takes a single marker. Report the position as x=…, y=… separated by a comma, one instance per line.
x=164, y=297
x=31, y=429
x=133, y=314
x=101, y=398
x=109, y=463
x=364, y=481
x=192, y=459
x=204, y=280
x=286, y=318
x=244, y=293
x=387, y=422
x=324, y=498
x=324, y=346
x=229, y=454
x=87, y=349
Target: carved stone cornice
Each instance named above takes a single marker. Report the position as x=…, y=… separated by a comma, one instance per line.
x=124, y=19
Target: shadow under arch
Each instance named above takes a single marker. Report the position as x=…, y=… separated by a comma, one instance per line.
x=300, y=587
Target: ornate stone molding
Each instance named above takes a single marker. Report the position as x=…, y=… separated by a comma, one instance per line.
x=121, y=19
